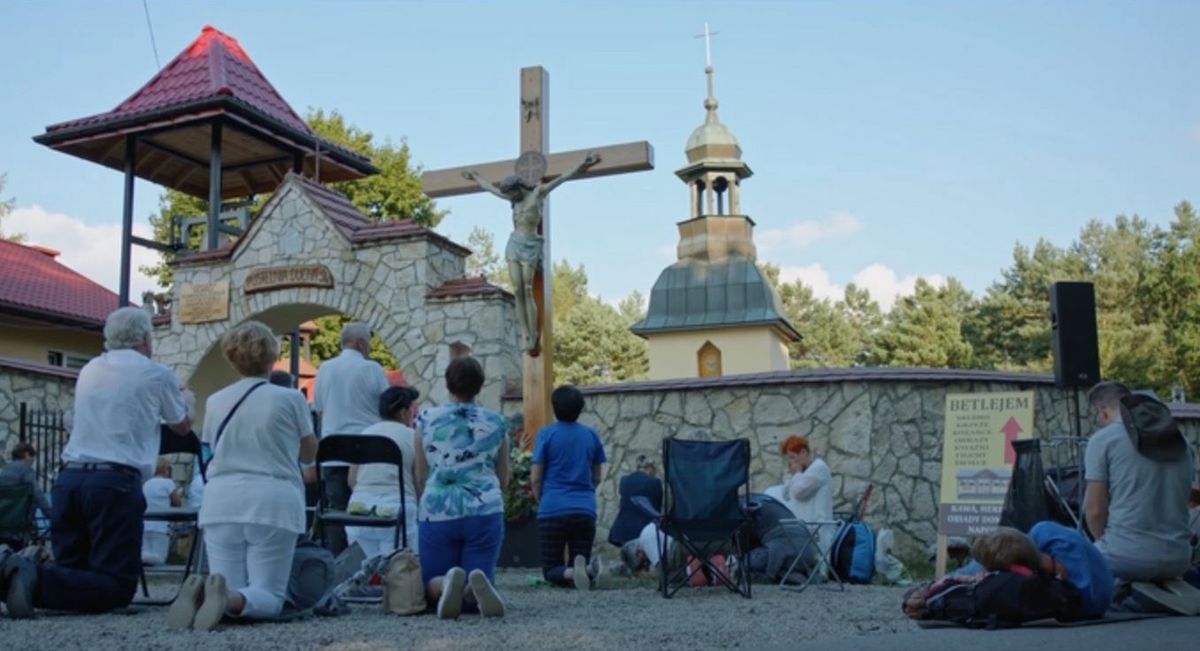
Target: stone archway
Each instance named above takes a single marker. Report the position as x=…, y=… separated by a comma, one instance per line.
x=310, y=253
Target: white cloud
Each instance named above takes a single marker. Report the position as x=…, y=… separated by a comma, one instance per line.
x=804, y=233
x=886, y=287
x=92, y=250
x=816, y=278
x=883, y=282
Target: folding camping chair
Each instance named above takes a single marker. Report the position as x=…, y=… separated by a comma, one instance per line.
x=172, y=443
x=17, y=526
x=706, y=484
x=825, y=556
x=361, y=449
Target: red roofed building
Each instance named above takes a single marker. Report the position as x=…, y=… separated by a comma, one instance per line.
x=49, y=313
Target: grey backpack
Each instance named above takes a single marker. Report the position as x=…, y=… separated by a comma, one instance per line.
x=311, y=583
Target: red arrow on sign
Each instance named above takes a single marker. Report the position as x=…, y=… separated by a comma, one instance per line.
x=1011, y=429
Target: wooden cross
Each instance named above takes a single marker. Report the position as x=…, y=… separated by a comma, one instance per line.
x=538, y=380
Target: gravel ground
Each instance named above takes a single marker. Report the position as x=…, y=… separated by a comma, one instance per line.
x=626, y=614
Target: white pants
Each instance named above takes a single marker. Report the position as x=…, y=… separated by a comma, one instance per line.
x=255, y=560
x=155, y=546
x=376, y=541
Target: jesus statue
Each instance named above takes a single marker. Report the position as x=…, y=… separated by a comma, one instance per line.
x=526, y=245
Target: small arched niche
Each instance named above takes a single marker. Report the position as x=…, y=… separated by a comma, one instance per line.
x=708, y=360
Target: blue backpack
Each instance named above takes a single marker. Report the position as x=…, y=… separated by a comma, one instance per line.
x=853, y=554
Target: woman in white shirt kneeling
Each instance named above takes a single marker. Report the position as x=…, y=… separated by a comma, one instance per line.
x=376, y=486
x=253, y=507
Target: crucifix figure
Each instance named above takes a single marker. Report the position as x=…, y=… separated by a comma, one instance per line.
x=525, y=245
x=537, y=173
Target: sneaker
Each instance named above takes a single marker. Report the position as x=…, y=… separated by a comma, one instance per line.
x=1175, y=595
x=490, y=604
x=582, y=581
x=596, y=570
x=212, y=607
x=19, y=575
x=183, y=610
x=358, y=508
x=450, y=604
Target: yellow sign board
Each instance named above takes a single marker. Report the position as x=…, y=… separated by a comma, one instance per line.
x=204, y=302
x=977, y=457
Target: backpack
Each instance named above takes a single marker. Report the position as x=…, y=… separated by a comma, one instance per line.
x=853, y=553
x=311, y=582
x=1005, y=599
x=404, y=591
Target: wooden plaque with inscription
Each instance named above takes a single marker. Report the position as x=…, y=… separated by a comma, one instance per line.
x=204, y=302
x=308, y=275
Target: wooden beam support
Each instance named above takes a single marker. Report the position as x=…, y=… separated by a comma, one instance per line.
x=163, y=149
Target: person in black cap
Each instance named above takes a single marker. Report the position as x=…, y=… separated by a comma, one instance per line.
x=1139, y=472
x=630, y=519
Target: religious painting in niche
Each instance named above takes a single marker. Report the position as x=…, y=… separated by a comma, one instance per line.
x=709, y=358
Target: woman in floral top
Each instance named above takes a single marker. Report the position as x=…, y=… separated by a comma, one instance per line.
x=461, y=470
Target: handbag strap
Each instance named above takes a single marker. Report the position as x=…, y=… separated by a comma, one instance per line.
x=221, y=429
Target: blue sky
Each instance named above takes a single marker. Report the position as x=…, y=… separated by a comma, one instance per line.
x=889, y=140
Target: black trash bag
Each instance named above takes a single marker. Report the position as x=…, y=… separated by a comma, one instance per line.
x=1026, y=504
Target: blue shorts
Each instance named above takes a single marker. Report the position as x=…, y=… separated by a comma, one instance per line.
x=470, y=543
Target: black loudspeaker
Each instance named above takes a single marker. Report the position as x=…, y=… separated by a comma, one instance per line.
x=1073, y=329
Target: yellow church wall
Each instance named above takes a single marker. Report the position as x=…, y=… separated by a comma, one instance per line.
x=31, y=341
x=743, y=350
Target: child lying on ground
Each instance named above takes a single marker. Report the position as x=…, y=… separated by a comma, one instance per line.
x=1050, y=550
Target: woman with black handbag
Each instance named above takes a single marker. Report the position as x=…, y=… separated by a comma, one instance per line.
x=253, y=507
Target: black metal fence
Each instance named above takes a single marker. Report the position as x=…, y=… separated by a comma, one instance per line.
x=47, y=431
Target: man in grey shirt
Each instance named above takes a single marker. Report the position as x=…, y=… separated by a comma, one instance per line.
x=20, y=471
x=1136, y=505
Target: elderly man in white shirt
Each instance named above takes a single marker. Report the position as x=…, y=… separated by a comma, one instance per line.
x=121, y=397
x=347, y=398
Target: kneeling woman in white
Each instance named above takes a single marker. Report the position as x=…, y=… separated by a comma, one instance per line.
x=376, y=486
x=253, y=507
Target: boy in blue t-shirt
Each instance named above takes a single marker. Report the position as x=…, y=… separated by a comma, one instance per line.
x=565, y=473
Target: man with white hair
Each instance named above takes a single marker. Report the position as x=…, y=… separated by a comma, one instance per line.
x=347, y=398
x=121, y=397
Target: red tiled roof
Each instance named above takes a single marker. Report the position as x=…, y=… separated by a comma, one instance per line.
x=40, y=369
x=34, y=283
x=462, y=287
x=213, y=66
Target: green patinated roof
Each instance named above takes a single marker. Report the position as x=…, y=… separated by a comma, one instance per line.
x=695, y=294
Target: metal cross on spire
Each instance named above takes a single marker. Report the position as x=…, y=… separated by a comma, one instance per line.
x=707, y=36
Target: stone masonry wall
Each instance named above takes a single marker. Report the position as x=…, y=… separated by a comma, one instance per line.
x=873, y=426
x=383, y=284
x=51, y=390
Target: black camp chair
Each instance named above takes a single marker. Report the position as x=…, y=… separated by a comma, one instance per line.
x=360, y=449
x=706, y=487
x=171, y=443
x=17, y=526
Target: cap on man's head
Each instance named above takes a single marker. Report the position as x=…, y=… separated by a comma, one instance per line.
x=1151, y=428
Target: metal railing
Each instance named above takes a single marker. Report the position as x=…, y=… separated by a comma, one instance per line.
x=47, y=431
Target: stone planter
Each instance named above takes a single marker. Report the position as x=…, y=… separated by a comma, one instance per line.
x=521, y=544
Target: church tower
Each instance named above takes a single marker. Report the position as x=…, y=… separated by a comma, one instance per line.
x=713, y=312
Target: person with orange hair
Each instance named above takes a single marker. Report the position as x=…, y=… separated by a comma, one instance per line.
x=807, y=487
